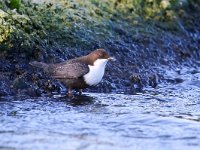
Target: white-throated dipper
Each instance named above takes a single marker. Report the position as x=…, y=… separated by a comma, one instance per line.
x=78, y=73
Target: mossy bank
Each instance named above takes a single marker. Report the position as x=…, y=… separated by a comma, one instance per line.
x=147, y=38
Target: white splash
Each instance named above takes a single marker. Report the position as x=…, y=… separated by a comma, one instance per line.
x=95, y=75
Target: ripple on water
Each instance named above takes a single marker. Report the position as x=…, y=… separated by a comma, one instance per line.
x=164, y=118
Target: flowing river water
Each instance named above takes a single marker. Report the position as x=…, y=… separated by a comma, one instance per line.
x=167, y=117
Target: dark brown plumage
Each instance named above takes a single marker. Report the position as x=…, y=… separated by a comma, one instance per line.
x=72, y=72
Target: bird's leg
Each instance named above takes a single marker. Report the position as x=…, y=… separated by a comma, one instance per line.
x=69, y=93
x=80, y=92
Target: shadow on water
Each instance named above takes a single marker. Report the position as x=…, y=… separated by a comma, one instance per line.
x=76, y=100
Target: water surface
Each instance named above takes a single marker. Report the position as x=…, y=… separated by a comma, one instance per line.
x=164, y=118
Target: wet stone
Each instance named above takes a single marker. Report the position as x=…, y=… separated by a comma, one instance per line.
x=175, y=80
x=153, y=80
x=195, y=71
x=137, y=84
x=5, y=89
x=20, y=83
x=32, y=92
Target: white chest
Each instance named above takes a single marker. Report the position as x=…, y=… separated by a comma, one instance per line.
x=95, y=75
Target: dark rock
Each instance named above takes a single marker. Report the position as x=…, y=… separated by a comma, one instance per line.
x=178, y=80
x=20, y=83
x=174, y=80
x=195, y=71
x=5, y=89
x=153, y=80
x=32, y=92
x=120, y=31
x=137, y=84
x=139, y=48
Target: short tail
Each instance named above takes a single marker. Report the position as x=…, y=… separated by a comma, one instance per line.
x=39, y=65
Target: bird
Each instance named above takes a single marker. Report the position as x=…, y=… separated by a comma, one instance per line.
x=78, y=73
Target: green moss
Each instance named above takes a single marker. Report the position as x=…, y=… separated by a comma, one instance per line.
x=26, y=26
x=14, y=4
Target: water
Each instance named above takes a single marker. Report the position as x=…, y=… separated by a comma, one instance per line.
x=164, y=118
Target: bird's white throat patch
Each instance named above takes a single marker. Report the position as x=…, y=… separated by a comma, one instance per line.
x=95, y=75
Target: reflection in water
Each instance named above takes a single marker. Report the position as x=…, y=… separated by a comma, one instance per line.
x=81, y=100
x=163, y=118
x=76, y=99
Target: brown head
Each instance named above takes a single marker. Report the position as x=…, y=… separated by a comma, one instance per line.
x=97, y=54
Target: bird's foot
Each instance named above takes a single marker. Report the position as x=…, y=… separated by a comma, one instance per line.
x=69, y=93
x=80, y=92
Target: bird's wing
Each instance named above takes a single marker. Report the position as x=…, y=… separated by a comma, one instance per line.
x=69, y=70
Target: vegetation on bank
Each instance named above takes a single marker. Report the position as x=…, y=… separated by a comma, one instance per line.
x=27, y=27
